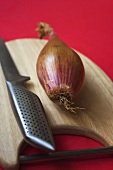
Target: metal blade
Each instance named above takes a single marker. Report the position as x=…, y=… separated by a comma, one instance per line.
x=10, y=71
x=75, y=154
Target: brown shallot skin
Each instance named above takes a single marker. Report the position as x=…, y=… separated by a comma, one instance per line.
x=60, y=71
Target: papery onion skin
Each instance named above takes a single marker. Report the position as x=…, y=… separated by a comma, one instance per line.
x=60, y=71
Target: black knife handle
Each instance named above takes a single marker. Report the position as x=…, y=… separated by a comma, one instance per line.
x=30, y=116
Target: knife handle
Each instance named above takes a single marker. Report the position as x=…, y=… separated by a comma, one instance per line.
x=30, y=116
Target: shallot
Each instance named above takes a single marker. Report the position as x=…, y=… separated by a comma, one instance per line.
x=59, y=69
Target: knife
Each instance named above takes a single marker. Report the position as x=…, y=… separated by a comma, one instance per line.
x=26, y=106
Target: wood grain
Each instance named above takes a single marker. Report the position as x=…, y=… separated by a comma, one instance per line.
x=96, y=97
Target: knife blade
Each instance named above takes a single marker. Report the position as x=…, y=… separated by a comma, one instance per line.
x=26, y=106
x=81, y=154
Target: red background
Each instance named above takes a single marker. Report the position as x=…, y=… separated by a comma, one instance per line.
x=84, y=25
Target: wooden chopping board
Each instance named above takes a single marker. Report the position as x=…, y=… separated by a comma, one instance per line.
x=96, y=96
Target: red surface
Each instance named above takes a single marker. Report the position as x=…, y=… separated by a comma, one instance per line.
x=86, y=26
